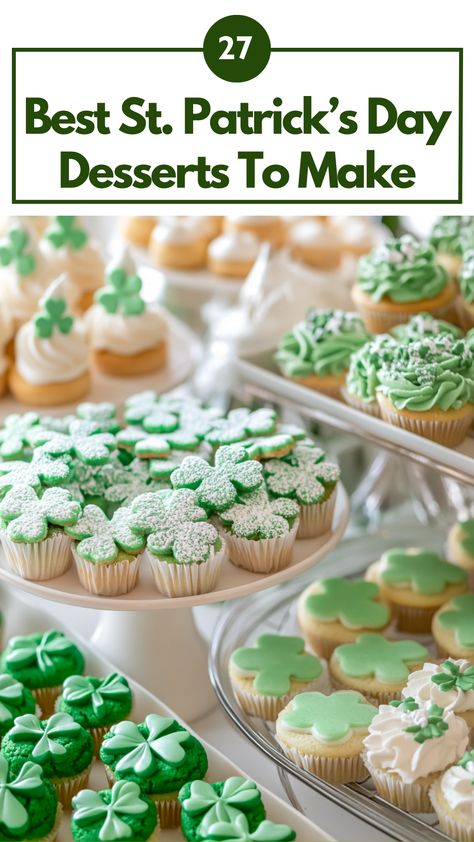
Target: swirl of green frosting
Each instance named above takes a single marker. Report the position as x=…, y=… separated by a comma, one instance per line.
x=449, y=233
x=362, y=377
x=424, y=324
x=432, y=373
x=403, y=271
x=322, y=344
x=466, y=277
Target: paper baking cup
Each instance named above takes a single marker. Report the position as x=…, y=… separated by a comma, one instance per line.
x=382, y=321
x=334, y=770
x=409, y=618
x=44, y=560
x=382, y=697
x=447, y=823
x=316, y=519
x=268, y=707
x=167, y=805
x=46, y=699
x=369, y=408
x=52, y=835
x=97, y=735
x=450, y=433
x=413, y=796
x=67, y=788
x=173, y=579
x=266, y=556
x=107, y=579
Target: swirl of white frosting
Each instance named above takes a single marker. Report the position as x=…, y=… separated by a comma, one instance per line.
x=252, y=220
x=125, y=335
x=458, y=789
x=421, y=687
x=314, y=233
x=389, y=747
x=177, y=231
x=235, y=246
x=60, y=358
x=355, y=230
x=85, y=266
x=19, y=294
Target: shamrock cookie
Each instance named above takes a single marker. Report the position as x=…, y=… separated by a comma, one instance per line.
x=461, y=545
x=204, y=804
x=104, y=415
x=96, y=703
x=242, y=424
x=267, y=675
x=43, y=470
x=84, y=442
x=159, y=755
x=306, y=477
x=217, y=487
x=334, y=611
x=449, y=685
x=29, y=806
x=416, y=582
x=375, y=666
x=324, y=734
x=68, y=248
x=14, y=442
x=453, y=627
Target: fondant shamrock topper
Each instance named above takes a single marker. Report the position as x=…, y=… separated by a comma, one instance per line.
x=256, y=516
x=43, y=470
x=13, y=251
x=65, y=232
x=11, y=693
x=389, y=661
x=80, y=690
x=454, y=676
x=84, y=441
x=140, y=747
x=28, y=651
x=467, y=535
x=329, y=718
x=407, y=705
x=217, y=487
x=175, y=525
x=423, y=570
x=101, y=539
x=44, y=734
x=54, y=316
x=14, y=435
x=104, y=415
x=239, y=831
x=351, y=601
x=125, y=800
x=303, y=474
x=121, y=295
x=237, y=794
x=29, y=516
x=29, y=783
x=460, y=619
x=274, y=661
x=429, y=726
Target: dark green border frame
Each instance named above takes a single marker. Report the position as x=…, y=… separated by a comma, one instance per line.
x=457, y=201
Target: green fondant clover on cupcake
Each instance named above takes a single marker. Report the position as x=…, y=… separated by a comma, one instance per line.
x=303, y=475
x=54, y=316
x=351, y=601
x=423, y=570
x=374, y=655
x=204, y=804
x=256, y=516
x=14, y=251
x=454, y=676
x=430, y=727
x=275, y=660
x=29, y=516
x=14, y=434
x=241, y=424
x=122, y=293
x=239, y=831
x=65, y=232
x=218, y=486
x=84, y=441
x=328, y=718
x=101, y=539
x=115, y=815
x=460, y=619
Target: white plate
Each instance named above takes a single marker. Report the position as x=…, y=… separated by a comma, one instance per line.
x=234, y=582
x=22, y=619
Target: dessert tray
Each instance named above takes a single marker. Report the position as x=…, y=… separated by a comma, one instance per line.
x=274, y=612
x=20, y=618
x=261, y=378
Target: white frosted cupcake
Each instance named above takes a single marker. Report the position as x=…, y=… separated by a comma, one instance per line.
x=24, y=273
x=178, y=243
x=70, y=249
x=452, y=797
x=233, y=254
x=316, y=244
x=449, y=685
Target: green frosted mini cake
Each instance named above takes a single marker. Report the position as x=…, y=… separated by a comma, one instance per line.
x=96, y=703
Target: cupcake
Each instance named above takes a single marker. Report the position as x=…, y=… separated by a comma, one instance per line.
x=452, y=796
x=204, y=804
x=51, y=354
x=159, y=755
x=453, y=627
x=120, y=813
x=316, y=244
x=461, y=546
x=32, y=531
x=96, y=703
x=42, y=662
x=260, y=532
x=24, y=273
x=304, y=476
x=30, y=808
x=318, y=350
x=415, y=583
x=334, y=611
x=424, y=326
x=269, y=229
x=324, y=734
x=128, y=336
x=466, y=286
x=62, y=748
x=15, y=700
x=67, y=245
x=398, y=280
x=357, y=234
x=232, y=255
x=108, y=553
x=448, y=236
x=449, y=685
x=177, y=243
x=427, y=388
x=375, y=666
x=408, y=747
x=136, y=230
x=268, y=674
x=362, y=378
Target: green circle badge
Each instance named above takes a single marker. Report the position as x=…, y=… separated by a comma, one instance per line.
x=237, y=48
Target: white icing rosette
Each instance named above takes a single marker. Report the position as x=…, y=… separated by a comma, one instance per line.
x=84, y=266
x=440, y=685
x=452, y=797
x=126, y=335
x=235, y=247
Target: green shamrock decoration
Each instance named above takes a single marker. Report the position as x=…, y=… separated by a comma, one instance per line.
x=256, y=516
x=122, y=293
x=423, y=570
x=43, y=470
x=125, y=800
x=389, y=661
x=303, y=474
x=29, y=516
x=431, y=729
x=218, y=486
x=80, y=689
x=85, y=441
x=12, y=251
x=44, y=733
x=467, y=535
x=353, y=602
x=240, y=424
x=238, y=794
x=54, y=316
x=140, y=748
x=453, y=676
x=14, y=435
x=104, y=415
x=29, y=651
x=129, y=483
x=11, y=692
x=239, y=831
x=274, y=661
x=460, y=619
x=64, y=233
x=329, y=718
x=29, y=782
x=101, y=539
x=467, y=762
x=407, y=705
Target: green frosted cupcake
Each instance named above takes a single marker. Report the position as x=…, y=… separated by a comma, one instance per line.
x=157, y=754
x=119, y=814
x=466, y=286
x=448, y=237
x=96, y=703
x=204, y=804
x=362, y=378
x=15, y=700
x=29, y=808
x=422, y=326
x=42, y=662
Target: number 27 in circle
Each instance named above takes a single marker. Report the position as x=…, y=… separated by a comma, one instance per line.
x=227, y=54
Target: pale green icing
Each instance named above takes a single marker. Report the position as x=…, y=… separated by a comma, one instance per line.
x=403, y=271
x=239, y=831
x=352, y=602
x=125, y=800
x=328, y=718
x=11, y=692
x=237, y=793
x=460, y=619
x=372, y=655
x=27, y=651
x=422, y=570
x=362, y=377
x=79, y=689
x=466, y=277
x=28, y=782
x=66, y=232
x=274, y=661
x=425, y=325
x=44, y=734
x=449, y=233
x=143, y=749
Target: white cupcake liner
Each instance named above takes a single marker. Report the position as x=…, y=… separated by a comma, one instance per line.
x=450, y=432
x=413, y=797
x=369, y=408
x=316, y=519
x=53, y=833
x=67, y=788
x=265, y=556
x=448, y=823
x=268, y=707
x=167, y=805
x=43, y=560
x=107, y=579
x=334, y=770
x=174, y=580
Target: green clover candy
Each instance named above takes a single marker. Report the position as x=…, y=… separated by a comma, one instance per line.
x=389, y=661
x=139, y=748
x=122, y=293
x=217, y=487
x=429, y=726
x=91, y=807
x=14, y=435
x=303, y=474
x=237, y=794
x=460, y=619
x=85, y=441
x=467, y=762
x=35, y=651
x=13, y=251
x=407, y=705
x=29, y=516
x=29, y=782
x=239, y=831
x=256, y=516
x=44, y=733
x=274, y=661
x=423, y=570
x=101, y=539
x=240, y=424
x=66, y=233
x=328, y=718
x=352, y=602
x=454, y=676
x=11, y=693
x=81, y=689
x=467, y=535
x=53, y=317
